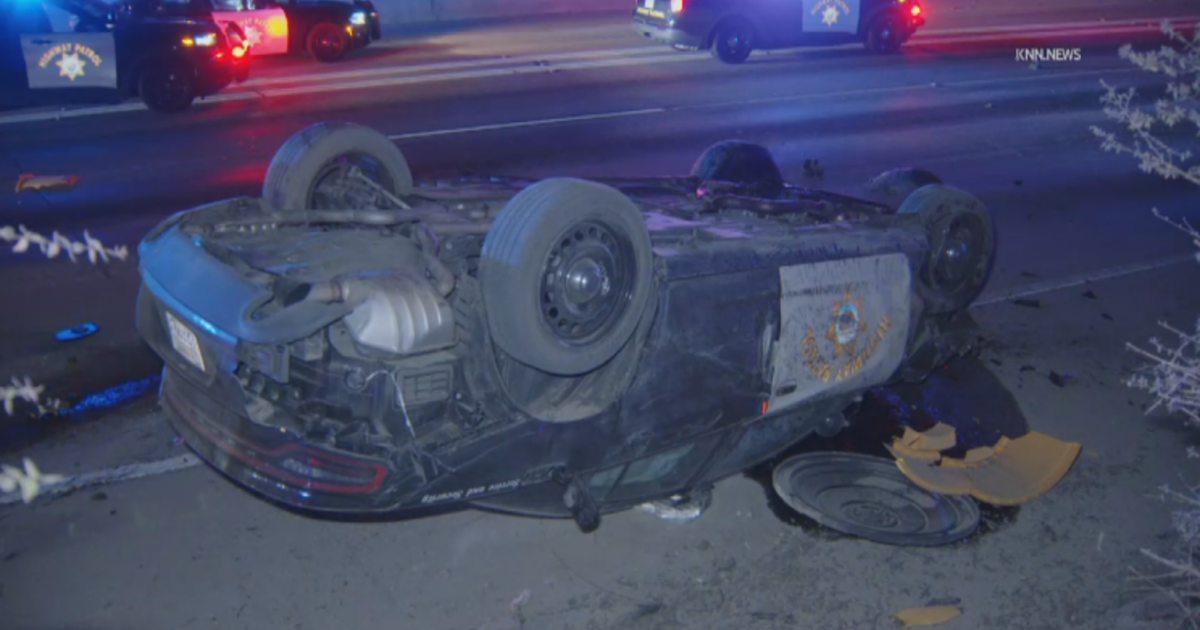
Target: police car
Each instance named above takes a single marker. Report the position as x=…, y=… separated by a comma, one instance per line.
x=732, y=29
x=108, y=51
x=324, y=29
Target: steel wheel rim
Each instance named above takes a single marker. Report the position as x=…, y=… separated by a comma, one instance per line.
x=735, y=42
x=334, y=189
x=587, y=277
x=958, y=255
x=329, y=42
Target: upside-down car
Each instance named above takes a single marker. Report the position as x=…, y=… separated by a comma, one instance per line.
x=355, y=341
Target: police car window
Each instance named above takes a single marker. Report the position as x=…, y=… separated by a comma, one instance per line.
x=25, y=18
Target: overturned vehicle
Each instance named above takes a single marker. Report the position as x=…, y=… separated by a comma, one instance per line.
x=354, y=341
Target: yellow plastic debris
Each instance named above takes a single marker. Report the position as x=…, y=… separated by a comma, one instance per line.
x=928, y=616
x=938, y=438
x=1009, y=473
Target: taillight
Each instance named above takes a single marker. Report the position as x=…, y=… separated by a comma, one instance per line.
x=239, y=52
x=677, y=6
x=916, y=10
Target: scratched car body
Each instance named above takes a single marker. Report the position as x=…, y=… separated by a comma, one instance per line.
x=558, y=348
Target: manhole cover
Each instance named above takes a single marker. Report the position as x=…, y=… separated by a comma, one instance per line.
x=870, y=498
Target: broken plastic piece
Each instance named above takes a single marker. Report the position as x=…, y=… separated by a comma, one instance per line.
x=929, y=616
x=77, y=332
x=1010, y=473
x=938, y=438
x=29, y=181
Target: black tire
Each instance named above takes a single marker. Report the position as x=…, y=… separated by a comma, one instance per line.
x=733, y=41
x=167, y=87
x=894, y=186
x=315, y=153
x=742, y=163
x=327, y=42
x=885, y=34
x=962, y=246
x=547, y=230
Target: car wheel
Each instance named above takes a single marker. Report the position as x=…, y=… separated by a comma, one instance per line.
x=894, y=186
x=167, y=88
x=313, y=170
x=962, y=246
x=327, y=42
x=566, y=273
x=885, y=35
x=733, y=41
x=742, y=163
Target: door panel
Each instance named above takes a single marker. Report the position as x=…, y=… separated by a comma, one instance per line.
x=70, y=60
x=831, y=16
x=266, y=26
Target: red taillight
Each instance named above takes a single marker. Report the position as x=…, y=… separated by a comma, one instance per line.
x=916, y=10
x=239, y=52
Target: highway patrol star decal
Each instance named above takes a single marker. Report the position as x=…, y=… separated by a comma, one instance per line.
x=830, y=15
x=848, y=324
x=70, y=66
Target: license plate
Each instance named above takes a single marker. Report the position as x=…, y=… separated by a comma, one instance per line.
x=184, y=341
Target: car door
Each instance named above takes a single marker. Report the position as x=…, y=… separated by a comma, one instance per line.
x=69, y=60
x=264, y=22
x=831, y=16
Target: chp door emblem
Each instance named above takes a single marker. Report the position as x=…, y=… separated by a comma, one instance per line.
x=830, y=11
x=71, y=59
x=850, y=349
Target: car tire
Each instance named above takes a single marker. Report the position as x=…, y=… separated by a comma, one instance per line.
x=327, y=42
x=894, y=186
x=733, y=41
x=885, y=35
x=302, y=164
x=547, y=242
x=743, y=163
x=962, y=246
x=167, y=87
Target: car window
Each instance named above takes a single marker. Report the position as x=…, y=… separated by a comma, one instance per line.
x=19, y=18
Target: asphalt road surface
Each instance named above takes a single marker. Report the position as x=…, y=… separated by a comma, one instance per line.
x=186, y=550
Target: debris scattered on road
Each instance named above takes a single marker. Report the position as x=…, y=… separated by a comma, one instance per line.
x=1018, y=183
x=927, y=616
x=1091, y=295
x=77, y=332
x=1029, y=274
x=1028, y=368
x=100, y=496
x=1059, y=379
x=1011, y=472
x=1106, y=316
x=1028, y=303
x=48, y=183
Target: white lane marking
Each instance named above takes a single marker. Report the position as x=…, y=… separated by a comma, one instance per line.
x=532, y=123
x=1049, y=286
x=1187, y=20
x=760, y=101
x=647, y=59
x=456, y=65
x=151, y=469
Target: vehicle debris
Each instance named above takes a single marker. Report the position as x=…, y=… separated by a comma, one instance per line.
x=1028, y=303
x=1011, y=472
x=45, y=183
x=927, y=616
x=77, y=332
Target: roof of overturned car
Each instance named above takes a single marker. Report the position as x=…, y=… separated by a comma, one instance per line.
x=539, y=346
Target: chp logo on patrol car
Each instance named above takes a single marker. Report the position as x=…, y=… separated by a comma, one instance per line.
x=845, y=332
x=72, y=59
x=831, y=11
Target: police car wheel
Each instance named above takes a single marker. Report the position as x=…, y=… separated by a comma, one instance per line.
x=167, y=88
x=885, y=35
x=733, y=41
x=743, y=163
x=314, y=169
x=327, y=42
x=962, y=246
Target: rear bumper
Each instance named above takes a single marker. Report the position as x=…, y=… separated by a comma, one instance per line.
x=665, y=33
